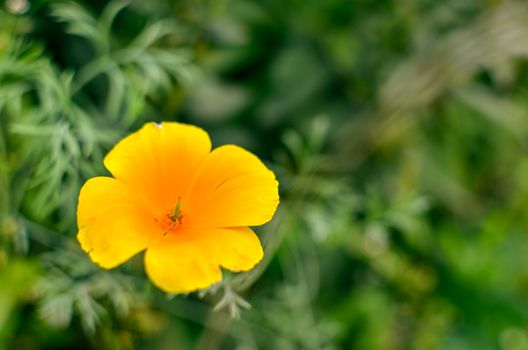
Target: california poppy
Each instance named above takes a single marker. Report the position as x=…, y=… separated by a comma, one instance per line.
x=187, y=206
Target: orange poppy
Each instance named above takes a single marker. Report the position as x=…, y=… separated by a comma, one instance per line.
x=187, y=206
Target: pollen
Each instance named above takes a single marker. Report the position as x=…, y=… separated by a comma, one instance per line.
x=171, y=220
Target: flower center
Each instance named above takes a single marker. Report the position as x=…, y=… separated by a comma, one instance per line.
x=172, y=219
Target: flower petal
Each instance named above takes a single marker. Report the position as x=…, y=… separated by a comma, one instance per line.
x=236, y=249
x=232, y=188
x=179, y=265
x=160, y=160
x=190, y=259
x=114, y=222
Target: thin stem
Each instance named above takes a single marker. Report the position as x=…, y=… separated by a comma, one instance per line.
x=215, y=329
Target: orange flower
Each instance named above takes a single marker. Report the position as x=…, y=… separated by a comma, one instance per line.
x=187, y=206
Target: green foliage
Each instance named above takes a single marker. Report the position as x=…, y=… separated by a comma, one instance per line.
x=397, y=131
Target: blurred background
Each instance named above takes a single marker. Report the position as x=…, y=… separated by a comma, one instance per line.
x=398, y=131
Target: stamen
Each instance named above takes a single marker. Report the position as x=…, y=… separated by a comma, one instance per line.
x=172, y=219
x=176, y=213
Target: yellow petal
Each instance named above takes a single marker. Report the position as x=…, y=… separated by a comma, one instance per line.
x=114, y=222
x=232, y=188
x=160, y=161
x=236, y=249
x=180, y=265
x=190, y=259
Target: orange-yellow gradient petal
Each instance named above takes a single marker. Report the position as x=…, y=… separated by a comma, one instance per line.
x=114, y=222
x=190, y=259
x=160, y=160
x=179, y=265
x=236, y=249
x=232, y=188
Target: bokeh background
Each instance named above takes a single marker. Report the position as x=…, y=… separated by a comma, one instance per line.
x=398, y=131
